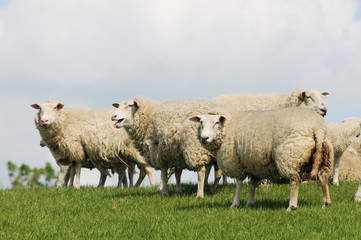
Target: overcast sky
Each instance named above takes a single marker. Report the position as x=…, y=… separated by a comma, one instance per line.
x=91, y=53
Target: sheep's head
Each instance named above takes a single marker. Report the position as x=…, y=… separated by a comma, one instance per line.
x=313, y=99
x=48, y=112
x=210, y=131
x=124, y=113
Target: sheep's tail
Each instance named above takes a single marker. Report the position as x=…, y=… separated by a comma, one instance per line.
x=323, y=155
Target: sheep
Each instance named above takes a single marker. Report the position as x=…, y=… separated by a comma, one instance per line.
x=299, y=97
x=342, y=136
x=161, y=133
x=79, y=135
x=280, y=145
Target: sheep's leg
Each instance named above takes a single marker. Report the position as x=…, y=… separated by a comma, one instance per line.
x=72, y=173
x=201, y=175
x=237, y=195
x=208, y=170
x=358, y=193
x=67, y=178
x=164, y=179
x=124, y=180
x=336, y=167
x=77, y=173
x=294, y=188
x=103, y=178
x=225, y=182
x=131, y=171
x=170, y=172
x=121, y=175
x=149, y=171
x=217, y=178
x=323, y=177
x=142, y=173
x=253, y=185
x=63, y=171
x=178, y=174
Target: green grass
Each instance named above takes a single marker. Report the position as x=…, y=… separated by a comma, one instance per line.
x=111, y=213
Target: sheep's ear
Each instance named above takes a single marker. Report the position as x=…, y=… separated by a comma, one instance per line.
x=36, y=106
x=59, y=106
x=303, y=96
x=222, y=119
x=134, y=104
x=195, y=119
x=116, y=105
x=325, y=94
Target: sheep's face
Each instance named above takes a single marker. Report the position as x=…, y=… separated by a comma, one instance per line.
x=210, y=129
x=123, y=114
x=313, y=99
x=48, y=112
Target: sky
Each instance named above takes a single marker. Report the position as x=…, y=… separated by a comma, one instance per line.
x=91, y=53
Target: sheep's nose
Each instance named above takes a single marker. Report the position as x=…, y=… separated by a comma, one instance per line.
x=204, y=139
x=45, y=121
x=324, y=111
x=114, y=117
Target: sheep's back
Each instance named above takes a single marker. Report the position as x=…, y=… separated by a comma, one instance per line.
x=252, y=101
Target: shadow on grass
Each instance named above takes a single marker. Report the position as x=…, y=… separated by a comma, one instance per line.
x=273, y=205
x=188, y=189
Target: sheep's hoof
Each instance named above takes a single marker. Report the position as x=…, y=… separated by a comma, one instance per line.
x=179, y=192
x=291, y=208
x=326, y=204
x=249, y=204
x=357, y=198
x=234, y=206
x=336, y=183
x=200, y=196
x=212, y=190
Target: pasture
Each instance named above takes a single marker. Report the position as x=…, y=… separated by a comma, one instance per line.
x=142, y=213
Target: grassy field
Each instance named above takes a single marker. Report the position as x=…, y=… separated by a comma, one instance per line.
x=111, y=213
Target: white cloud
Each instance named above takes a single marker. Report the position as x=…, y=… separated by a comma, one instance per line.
x=81, y=42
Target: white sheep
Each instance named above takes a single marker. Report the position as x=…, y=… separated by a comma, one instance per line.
x=78, y=135
x=161, y=133
x=342, y=135
x=280, y=145
x=300, y=97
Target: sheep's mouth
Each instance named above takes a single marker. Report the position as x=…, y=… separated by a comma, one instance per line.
x=119, y=123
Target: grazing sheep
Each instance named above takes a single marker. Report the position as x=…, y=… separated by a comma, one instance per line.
x=342, y=136
x=300, y=97
x=161, y=133
x=280, y=145
x=79, y=135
